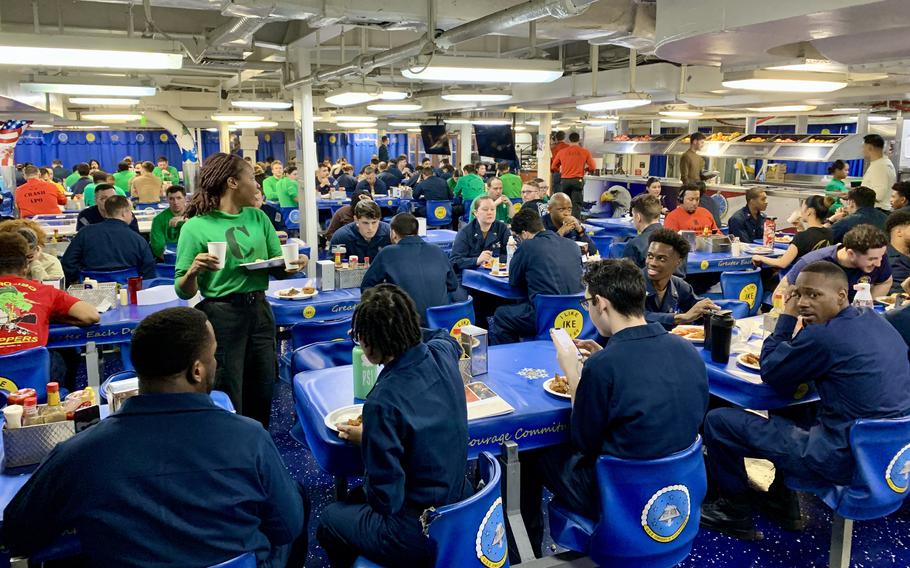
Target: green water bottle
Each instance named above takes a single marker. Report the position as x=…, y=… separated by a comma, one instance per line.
x=365, y=373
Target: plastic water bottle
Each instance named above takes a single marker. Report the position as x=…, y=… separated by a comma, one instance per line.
x=863, y=298
x=511, y=247
x=365, y=373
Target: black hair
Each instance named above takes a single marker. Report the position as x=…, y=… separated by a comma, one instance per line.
x=527, y=219
x=574, y=137
x=620, y=282
x=356, y=195
x=651, y=180
x=897, y=219
x=123, y=166
x=99, y=177
x=836, y=165
x=672, y=238
x=181, y=333
x=103, y=187
x=116, y=204
x=386, y=321
x=862, y=196
x=270, y=159
x=162, y=158
x=874, y=140
x=647, y=205
x=753, y=193
x=29, y=171
x=468, y=169
x=903, y=188
x=820, y=204
x=503, y=167
x=367, y=210
x=862, y=238
x=96, y=161
x=83, y=169
x=689, y=187
x=176, y=189
x=696, y=136
x=14, y=251
x=404, y=224
x=384, y=138
x=829, y=270
x=213, y=178
x=560, y=135
x=291, y=169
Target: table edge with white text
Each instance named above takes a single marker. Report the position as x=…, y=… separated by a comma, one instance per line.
x=481, y=280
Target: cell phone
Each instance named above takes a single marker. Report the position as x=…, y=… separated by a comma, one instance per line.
x=561, y=339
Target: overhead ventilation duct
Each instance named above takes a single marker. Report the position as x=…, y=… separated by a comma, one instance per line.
x=641, y=35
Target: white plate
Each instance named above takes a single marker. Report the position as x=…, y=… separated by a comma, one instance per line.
x=757, y=249
x=546, y=387
x=740, y=360
x=271, y=263
x=297, y=297
x=342, y=414
x=499, y=274
x=687, y=327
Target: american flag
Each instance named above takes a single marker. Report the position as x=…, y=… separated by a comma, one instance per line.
x=10, y=131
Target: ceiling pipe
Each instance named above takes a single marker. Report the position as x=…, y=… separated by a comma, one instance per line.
x=504, y=19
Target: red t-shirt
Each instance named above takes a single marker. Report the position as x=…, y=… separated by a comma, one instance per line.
x=26, y=310
x=37, y=197
x=681, y=220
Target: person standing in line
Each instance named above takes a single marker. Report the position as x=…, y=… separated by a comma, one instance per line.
x=559, y=143
x=383, y=152
x=880, y=175
x=691, y=165
x=572, y=162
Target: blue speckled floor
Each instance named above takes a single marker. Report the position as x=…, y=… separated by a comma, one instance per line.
x=875, y=543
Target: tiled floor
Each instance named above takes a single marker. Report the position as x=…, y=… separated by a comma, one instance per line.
x=878, y=543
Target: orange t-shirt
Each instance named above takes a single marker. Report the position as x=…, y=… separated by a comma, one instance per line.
x=37, y=197
x=572, y=161
x=681, y=220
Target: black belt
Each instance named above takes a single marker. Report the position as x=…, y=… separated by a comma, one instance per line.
x=239, y=298
x=570, y=179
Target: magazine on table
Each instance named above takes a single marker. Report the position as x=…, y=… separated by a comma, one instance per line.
x=483, y=402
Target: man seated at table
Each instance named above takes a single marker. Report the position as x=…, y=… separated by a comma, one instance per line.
x=469, y=186
x=95, y=213
x=173, y=464
x=346, y=180
x=366, y=235
x=689, y=216
x=505, y=210
x=898, y=230
x=166, y=225
x=859, y=208
x=270, y=184
x=862, y=256
x=147, y=187
x=671, y=300
x=855, y=378
x=288, y=187
x=900, y=196
x=482, y=239
x=626, y=401
x=511, y=183
x=345, y=213
x=532, y=198
x=413, y=440
x=371, y=184
x=544, y=263
x=123, y=176
x=109, y=245
x=419, y=268
x=748, y=224
x=646, y=219
x=430, y=188
x=82, y=175
x=560, y=221
x=165, y=172
x=324, y=180
x=37, y=197
x=99, y=177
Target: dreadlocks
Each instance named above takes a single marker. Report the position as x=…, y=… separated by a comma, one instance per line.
x=213, y=176
x=386, y=321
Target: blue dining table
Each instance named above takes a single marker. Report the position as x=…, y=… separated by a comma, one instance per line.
x=618, y=227
x=443, y=238
x=703, y=262
x=481, y=280
x=334, y=304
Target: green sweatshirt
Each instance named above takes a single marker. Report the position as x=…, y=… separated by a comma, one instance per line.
x=470, y=187
x=162, y=232
x=287, y=192
x=270, y=188
x=170, y=174
x=122, y=179
x=250, y=237
x=71, y=179
x=89, y=194
x=511, y=185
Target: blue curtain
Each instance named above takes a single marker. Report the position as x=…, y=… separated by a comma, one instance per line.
x=356, y=148
x=106, y=146
x=658, y=166
x=270, y=144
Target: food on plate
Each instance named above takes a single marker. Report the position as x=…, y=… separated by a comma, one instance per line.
x=488, y=264
x=892, y=298
x=290, y=292
x=309, y=290
x=355, y=421
x=559, y=384
x=693, y=333
x=784, y=239
x=750, y=359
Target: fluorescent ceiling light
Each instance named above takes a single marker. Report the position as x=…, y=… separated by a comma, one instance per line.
x=520, y=128
x=626, y=100
x=102, y=101
x=482, y=70
x=92, y=127
x=39, y=126
x=598, y=121
x=354, y=118
x=457, y=121
x=401, y=107
x=681, y=113
x=413, y=130
x=254, y=124
x=845, y=109
x=89, y=89
x=113, y=116
x=357, y=125
x=674, y=120
x=814, y=65
x=269, y=105
x=353, y=95
x=404, y=124
x=784, y=81
x=783, y=108
x=393, y=95
x=491, y=122
x=230, y=127
x=537, y=122
x=475, y=97
x=874, y=118
x=237, y=117
x=71, y=51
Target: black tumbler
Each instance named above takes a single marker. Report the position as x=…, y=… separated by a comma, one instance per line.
x=706, y=322
x=722, y=323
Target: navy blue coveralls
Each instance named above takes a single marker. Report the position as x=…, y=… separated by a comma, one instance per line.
x=431, y=189
x=414, y=449
x=581, y=237
x=679, y=297
x=855, y=379
x=356, y=245
x=748, y=228
x=470, y=242
x=546, y=264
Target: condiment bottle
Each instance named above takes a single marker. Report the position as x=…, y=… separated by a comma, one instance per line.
x=366, y=262
x=337, y=259
x=53, y=394
x=863, y=298
x=511, y=247
x=13, y=415
x=30, y=411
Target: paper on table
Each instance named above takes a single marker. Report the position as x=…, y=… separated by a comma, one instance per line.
x=753, y=378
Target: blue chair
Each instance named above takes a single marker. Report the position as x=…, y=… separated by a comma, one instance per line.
x=451, y=316
x=247, y=560
x=616, y=250
x=291, y=217
x=439, y=213
x=563, y=312
x=321, y=355
x=452, y=528
x=6, y=204
x=743, y=285
x=307, y=333
x=650, y=511
x=467, y=210
x=603, y=243
x=881, y=450
x=119, y=276
x=165, y=270
x=29, y=368
x=739, y=309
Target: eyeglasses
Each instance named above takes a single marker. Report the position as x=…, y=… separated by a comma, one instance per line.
x=586, y=303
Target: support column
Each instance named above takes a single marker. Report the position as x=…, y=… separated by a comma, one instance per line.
x=249, y=143
x=862, y=122
x=655, y=127
x=465, y=136
x=543, y=149
x=306, y=151
x=751, y=124
x=224, y=138
x=802, y=124
x=693, y=126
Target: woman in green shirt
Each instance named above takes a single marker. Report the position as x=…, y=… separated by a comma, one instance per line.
x=223, y=210
x=836, y=188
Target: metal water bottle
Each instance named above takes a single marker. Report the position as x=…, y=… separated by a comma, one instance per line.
x=365, y=373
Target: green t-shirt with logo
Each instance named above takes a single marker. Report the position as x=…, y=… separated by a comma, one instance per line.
x=122, y=179
x=249, y=236
x=88, y=194
x=470, y=187
x=511, y=185
x=270, y=188
x=170, y=174
x=286, y=188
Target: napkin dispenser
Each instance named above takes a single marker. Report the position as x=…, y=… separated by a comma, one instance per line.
x=713, y=243
x=325, y=275
x=689, y=236
x=474, y=342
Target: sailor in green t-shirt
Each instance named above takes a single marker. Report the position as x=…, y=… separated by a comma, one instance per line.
x=223, y=211
x=165, y=172
x=511, y=183
x=288, y=187
x=504, y=209
x=123, y=176
x=166, y=225
x=74, y=176
x=98, y=178
x=270, y=184
x=470, y=185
